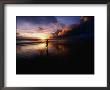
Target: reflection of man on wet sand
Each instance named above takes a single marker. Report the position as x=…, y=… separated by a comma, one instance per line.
x=47, y=43
x=47, y=46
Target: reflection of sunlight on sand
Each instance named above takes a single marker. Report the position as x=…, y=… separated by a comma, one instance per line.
x=40, y=46
x=41, y=49
x=31, y=49
x=57, y=49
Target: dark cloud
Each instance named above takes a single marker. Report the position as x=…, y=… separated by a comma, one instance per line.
x=36, y=19
x=44, y=23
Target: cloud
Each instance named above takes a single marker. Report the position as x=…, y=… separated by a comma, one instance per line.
x=35, y=20
x=35, y=23
x=44, y=24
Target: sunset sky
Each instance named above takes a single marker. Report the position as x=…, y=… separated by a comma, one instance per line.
x=42, y=26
